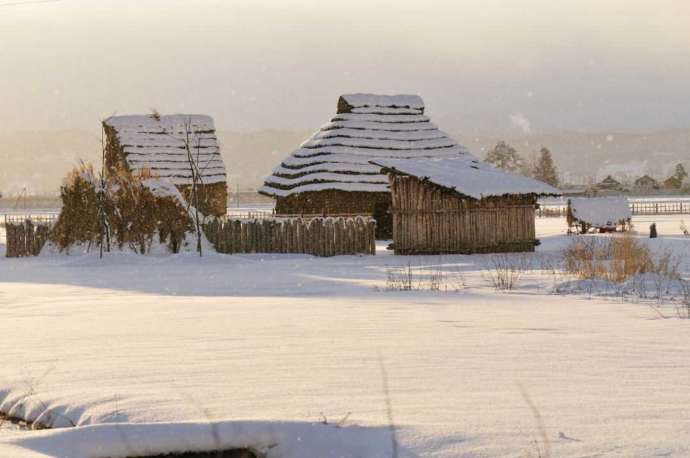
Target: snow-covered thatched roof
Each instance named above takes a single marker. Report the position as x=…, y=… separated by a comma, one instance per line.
x=467, y=175
x=600, y=211
x=366, y=127
x=158, y=144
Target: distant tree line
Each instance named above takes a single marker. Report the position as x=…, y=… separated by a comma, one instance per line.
x=540, y=166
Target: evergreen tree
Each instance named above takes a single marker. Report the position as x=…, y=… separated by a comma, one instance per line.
x=681, y=174
x=545, y=170
x=505, y=157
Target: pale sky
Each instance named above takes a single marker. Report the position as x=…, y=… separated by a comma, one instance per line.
x=481, y=66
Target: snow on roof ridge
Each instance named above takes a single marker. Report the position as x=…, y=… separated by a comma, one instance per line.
x=467, y=175
x=359, y=99
x=151, y=120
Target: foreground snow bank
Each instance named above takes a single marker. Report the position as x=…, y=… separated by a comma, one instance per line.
x=140, y=341
x=268, y=439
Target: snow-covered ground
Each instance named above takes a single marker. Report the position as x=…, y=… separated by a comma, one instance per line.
x=165, y=353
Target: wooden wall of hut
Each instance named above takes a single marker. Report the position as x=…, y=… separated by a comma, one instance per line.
x=428, y=219
x=341, y=203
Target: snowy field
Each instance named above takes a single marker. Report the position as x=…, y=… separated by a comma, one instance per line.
x=300, y=357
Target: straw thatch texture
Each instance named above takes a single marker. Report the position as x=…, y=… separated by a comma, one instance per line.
x=332, y=169
x=170, y=147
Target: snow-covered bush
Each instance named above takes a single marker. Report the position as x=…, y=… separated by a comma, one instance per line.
x=78, y=221
x=126, y=211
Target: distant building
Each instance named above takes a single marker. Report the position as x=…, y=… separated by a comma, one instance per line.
x=645, y=184
x=672, y=183
x=609, y=184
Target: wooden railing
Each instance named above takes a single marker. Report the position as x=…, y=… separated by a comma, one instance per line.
x=637, y=207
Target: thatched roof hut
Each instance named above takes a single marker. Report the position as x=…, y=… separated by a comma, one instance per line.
x=169, y=148
x=331, y=173
x=609, y=184
x=606, y=214
x=461, y=205
x=645, y=183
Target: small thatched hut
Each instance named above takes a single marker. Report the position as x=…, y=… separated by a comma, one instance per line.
x=645, y=184
x=330, y=173
x=461, y=205
x=170, y=148
x=605, y=214
x=609, y=184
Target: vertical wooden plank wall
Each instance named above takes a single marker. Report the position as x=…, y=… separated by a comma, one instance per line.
x=428, y=219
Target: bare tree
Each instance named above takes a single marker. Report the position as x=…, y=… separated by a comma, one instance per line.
x=192, y=143
x=101, y=202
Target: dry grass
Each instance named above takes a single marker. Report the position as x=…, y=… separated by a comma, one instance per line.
x=683, y=308
x=616, y=259
x=432, y=276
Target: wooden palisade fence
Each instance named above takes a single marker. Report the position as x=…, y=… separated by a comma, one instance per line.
x=26, y=236
x=315, y=236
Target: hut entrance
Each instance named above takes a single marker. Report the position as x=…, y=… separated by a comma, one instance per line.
x=384, y=220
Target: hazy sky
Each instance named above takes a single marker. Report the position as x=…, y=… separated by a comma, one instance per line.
x=481, y=66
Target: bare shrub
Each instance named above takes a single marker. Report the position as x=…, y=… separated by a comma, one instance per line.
x=683, y=308
x=504, y=271
x=425, y=277
x=400, y=278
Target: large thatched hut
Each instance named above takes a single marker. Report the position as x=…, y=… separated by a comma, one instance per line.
x=461, y=205
x=173, y=148
x=330, y=173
